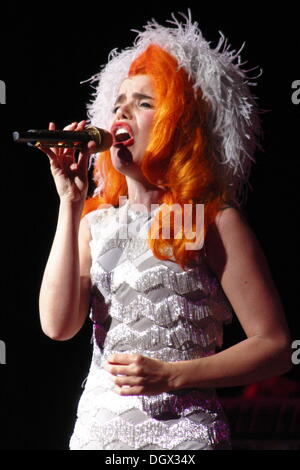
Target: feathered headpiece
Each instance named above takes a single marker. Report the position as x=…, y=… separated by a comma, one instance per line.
x=233, y=121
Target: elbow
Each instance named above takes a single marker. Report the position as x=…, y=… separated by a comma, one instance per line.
x=57, y=335
x=57, y=328
x=277, y=354
x=283, y=357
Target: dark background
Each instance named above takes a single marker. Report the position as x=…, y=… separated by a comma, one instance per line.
x=44, y=57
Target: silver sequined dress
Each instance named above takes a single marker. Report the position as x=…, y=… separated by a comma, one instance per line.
x=153, y=307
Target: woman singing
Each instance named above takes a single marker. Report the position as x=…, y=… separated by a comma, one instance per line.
x=185, y=129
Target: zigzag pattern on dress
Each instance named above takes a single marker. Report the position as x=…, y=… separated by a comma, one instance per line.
x=167, y=354
x=152, y=307
x=181, y=337
x=123, y=434
x=163, y=313
x=151, y=278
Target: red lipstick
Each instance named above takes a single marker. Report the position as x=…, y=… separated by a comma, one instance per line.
x=122, y=134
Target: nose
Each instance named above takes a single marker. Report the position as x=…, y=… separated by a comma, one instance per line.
x=123, y=111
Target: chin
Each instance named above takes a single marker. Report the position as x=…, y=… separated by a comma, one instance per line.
x=124, y=157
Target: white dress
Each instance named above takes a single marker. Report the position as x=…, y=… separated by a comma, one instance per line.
x=153, y=307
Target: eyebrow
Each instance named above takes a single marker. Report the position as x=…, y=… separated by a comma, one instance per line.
x=121, y=98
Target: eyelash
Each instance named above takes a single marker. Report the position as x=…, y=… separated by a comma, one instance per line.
x=148, y=104
x=140, y=104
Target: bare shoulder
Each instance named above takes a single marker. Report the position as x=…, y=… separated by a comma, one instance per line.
x=231, y=217
x=235, y=255
x=230, y=236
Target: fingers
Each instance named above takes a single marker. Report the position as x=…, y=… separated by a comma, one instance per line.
x=75, y=126
x=90, y=148
x=55, y=154
x=84, y=155
x=127, y=381
x=52, y=127
x=52, y=156
x=131, y=390
x=122, y=370
x=79, y=167
x=50, y=152
x=81, y=125
x=67, y=150
x=127, y=364
x=123, y=358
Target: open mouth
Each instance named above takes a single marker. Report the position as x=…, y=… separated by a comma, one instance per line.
x=122, y=134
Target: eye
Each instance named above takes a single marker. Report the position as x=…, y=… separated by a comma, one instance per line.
x=146, y=104
x=115, y=109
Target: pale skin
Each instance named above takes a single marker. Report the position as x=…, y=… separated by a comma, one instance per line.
x=234, y=255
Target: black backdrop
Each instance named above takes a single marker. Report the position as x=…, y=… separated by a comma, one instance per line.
x=44, y=56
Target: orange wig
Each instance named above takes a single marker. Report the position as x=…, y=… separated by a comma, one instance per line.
x=179, y=156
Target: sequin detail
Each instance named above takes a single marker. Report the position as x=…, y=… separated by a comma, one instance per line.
x=164, y=313
x=144, y=305
x=172, y=404
x=155, y=432
x=181, y=337
x=167, y=354
x=181, y=403
x=152, y=278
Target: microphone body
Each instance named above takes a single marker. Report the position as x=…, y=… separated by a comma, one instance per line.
x=57, y=138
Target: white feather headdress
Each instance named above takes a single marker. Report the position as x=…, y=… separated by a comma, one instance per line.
x=233, y=123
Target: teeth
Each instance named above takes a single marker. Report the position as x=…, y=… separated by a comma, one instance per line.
x=121, y=130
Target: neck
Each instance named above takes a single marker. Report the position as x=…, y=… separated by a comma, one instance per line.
x=143, y=193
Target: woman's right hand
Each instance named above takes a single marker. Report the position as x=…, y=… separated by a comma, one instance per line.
x=70, y=176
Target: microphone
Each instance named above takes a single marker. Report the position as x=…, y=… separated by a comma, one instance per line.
x=73, y=139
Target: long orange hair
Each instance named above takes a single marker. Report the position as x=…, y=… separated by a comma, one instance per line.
x=178, y=157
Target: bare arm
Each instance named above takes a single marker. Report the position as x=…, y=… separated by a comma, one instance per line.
x=237, y=259
x=65, y=290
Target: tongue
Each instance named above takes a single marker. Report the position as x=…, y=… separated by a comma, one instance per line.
x=123, y=137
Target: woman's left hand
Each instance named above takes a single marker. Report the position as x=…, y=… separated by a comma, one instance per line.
x=141, y=375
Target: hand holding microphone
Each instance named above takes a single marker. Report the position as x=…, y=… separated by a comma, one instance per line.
x=70, y=175
x=66, y=138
